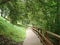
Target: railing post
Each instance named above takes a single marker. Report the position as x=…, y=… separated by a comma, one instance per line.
x=41, y=32
x=59, y=41
x=46, y=35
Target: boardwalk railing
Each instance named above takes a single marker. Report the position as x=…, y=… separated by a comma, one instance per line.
x=54, y=36
x=45, y=39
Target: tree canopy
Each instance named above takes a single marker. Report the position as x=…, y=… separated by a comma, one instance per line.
x=40, y=13
x=43, y=14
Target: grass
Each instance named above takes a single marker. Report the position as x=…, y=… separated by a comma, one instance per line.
x=10, y=31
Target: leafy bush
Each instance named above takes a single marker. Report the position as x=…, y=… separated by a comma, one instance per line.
x=10, y=31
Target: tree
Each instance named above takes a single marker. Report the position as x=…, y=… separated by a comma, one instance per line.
x=58, y=18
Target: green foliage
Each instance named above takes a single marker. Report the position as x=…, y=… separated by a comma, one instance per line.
x=43, y=14
x=40, y=13
x=10, y=31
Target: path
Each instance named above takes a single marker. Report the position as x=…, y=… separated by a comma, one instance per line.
x=31, y=38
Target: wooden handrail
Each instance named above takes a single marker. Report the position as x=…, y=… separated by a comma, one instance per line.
x=54, y=35
x=44, y=39
x=47, y=42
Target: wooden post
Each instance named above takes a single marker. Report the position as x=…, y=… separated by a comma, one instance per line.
x=46, y=35
x=59, y=41
x=41, y=31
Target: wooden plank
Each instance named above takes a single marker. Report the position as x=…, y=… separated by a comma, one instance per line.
x=48, y=42
x=45, y=40
x=53, y=34
x=59, y=41
x=39, y=37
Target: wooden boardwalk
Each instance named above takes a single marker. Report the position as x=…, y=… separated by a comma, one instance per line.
x=31, y=38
